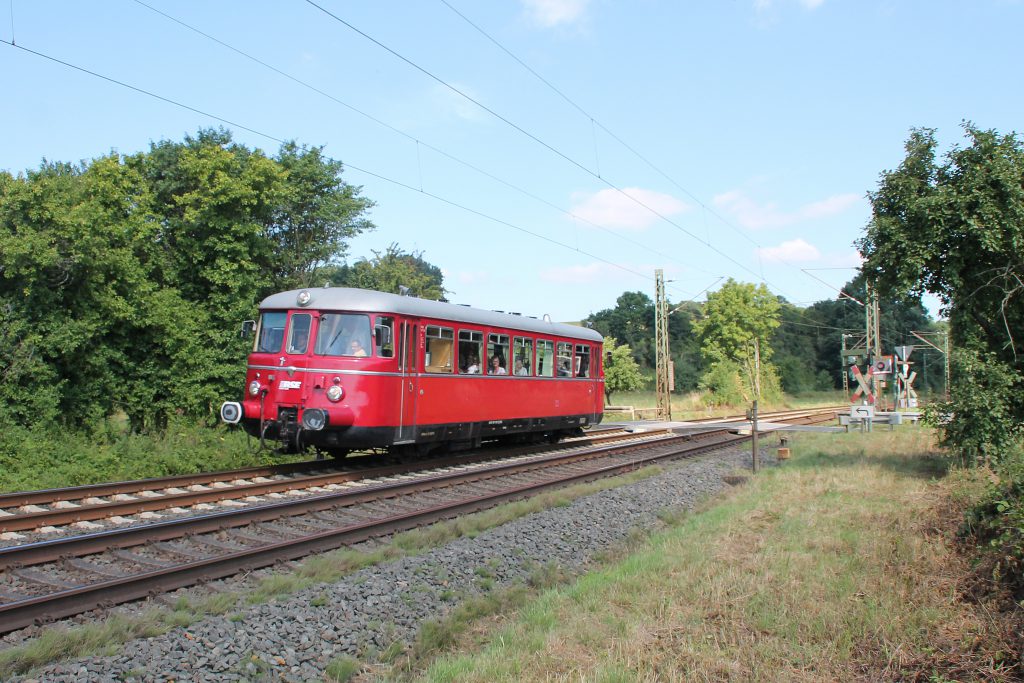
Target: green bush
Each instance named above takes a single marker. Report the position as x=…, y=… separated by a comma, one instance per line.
x=996, y=524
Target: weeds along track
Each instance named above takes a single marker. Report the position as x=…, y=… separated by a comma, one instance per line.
x=48, y=580
x=44, y=512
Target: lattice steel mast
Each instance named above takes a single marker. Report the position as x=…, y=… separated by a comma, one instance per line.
x=663, y=369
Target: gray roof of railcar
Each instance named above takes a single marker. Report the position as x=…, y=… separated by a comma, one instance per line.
x=369, y=301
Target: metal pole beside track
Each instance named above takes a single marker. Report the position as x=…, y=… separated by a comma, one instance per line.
x=756, y=455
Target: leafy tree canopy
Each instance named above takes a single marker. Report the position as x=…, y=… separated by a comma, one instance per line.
x=739, y=318
x=389, y=271
x=955, y=227
x=122, y=280
x=621, y=372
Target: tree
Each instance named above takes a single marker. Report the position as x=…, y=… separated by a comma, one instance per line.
x=632, y=323
x=389, y=272
x=317, y=216
x=795, y=343
x=737, y=325
x=621, y=372
x=955, y=228
x=122, y=280
x=807, y=342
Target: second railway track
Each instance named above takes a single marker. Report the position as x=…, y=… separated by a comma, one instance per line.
x=50, y=509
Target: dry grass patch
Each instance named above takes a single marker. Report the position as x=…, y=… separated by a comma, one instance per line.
x=829, y=568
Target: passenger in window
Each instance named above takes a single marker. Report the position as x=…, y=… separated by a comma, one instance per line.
x=299, y=340
x=474, y=366
x=521, y=370
x=355, y=348
x=496, y=368
x=563, y=369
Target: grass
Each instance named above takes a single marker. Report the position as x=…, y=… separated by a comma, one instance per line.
x=59, y=643
x=829, y=568
x=342, y=669
x=32, y=460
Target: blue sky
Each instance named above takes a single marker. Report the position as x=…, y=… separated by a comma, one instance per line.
x=710, y=139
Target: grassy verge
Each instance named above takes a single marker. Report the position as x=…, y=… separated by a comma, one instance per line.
x=35, y=460
x=59, y=643
x=828, y=568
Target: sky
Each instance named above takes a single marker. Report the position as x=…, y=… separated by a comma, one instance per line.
x=547, y=155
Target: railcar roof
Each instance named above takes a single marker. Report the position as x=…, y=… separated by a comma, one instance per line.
x=369, y=301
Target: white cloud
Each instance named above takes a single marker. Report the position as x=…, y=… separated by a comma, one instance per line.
x=549, y=13
x=830, y=206
x=765, y=5
x=753, y=216
x=792, y=251
x=612, y=209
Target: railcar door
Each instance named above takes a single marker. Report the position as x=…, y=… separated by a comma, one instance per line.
x=410, y=382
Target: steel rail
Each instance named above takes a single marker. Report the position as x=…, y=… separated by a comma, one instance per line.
x=87, y=544
x=80, y=599
x=73, y=601
x=70, y=515
x=48, y=496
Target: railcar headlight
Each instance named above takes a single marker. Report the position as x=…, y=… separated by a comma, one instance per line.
x=254, y=387
x=231, y=412
x=335, y=393
x=304, y=297
x=314, y=419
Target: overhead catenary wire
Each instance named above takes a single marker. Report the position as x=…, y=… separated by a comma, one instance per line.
x=418, y=142
x=594, y=122
x=531, y=136
x=347, y=165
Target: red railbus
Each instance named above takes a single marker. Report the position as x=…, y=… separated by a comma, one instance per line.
x=339, y=369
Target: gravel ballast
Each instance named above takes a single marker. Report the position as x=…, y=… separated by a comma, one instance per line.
x=290, y=639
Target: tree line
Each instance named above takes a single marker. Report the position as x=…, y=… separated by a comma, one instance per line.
x=123, y=279
x=712, y=344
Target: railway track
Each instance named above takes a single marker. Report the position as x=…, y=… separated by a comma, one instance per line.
x=48, y=580
x=80, y=507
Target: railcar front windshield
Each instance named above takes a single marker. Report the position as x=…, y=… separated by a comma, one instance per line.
x=343, y=334
x=270, y=333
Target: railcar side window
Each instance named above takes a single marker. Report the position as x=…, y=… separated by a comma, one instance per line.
x=298, y=333
x=545, y=358
x=384, y=336
x=564, y=359
x=522, y=354
x=270, y=335
x=438, y=353
x=582, y=360
x=343, y=334
x=471, y=350
x=497, y=354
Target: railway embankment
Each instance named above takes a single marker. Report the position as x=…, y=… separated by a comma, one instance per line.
x=372, y=614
